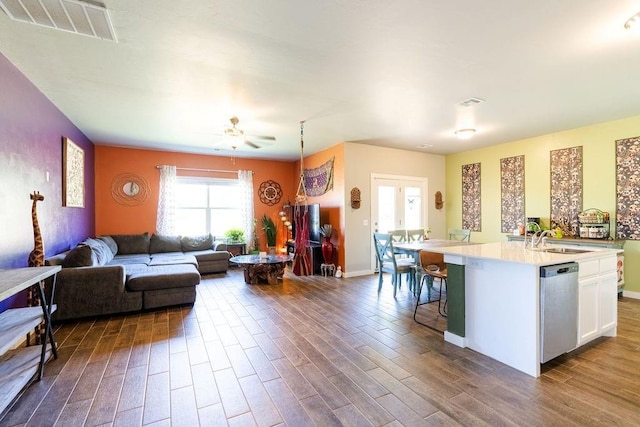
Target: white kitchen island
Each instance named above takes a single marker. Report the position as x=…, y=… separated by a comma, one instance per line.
x=494, y=299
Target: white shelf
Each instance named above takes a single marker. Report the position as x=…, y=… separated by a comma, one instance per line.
x=17, y=368
x=20, y=365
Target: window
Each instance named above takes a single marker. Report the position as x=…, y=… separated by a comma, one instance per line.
x=207, y=205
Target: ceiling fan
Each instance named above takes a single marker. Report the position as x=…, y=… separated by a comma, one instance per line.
x=234, y=137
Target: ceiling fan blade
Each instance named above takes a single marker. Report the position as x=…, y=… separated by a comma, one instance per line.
x=251, y=144
x=268, y=138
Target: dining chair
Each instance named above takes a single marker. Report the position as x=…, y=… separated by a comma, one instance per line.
x=433, y=267
x=398, y=236
x=415, y=235
x=460, y=234
x=388, y=263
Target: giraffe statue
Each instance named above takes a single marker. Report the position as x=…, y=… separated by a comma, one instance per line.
x=36, y=259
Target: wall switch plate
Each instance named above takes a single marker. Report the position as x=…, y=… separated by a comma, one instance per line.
x=365, y=222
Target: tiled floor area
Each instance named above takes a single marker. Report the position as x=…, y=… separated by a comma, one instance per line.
x=316, y=351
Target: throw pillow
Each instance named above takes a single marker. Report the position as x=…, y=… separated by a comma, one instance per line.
x=197, y=243
x=111, y=243
x=132, y=243
x=80, y=256
x=161, y=243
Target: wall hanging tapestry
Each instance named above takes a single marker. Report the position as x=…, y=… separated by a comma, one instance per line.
x=628, y=188
x=471, y=213
x=512, y=191
x=319, y=180
x=566, y=189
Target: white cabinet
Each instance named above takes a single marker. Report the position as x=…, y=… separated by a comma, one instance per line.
x=19, y=365
x=598, y=305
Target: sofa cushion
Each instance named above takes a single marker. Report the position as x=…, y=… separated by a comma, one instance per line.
x=131, y=259
x=80, y=256
x=111, y=243
x=161, y=277
x=160, y=244
x=169, y=258
x=100, y=249
x=211, y=255
x=197, y=243
x=132, y=243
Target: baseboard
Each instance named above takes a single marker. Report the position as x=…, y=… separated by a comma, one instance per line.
x=357, y=273
x=631, y=294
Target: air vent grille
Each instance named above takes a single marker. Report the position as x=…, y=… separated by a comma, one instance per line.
x=67, y=15
x=470, y=102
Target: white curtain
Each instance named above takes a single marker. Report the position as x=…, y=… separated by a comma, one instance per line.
x=166, y=219
x=246, y=193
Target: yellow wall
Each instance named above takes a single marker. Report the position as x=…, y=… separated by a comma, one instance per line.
x=599, y=181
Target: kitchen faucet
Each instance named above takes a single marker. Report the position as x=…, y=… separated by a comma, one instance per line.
x=539, y=237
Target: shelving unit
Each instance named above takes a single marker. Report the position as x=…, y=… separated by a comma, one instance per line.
x=20, y=365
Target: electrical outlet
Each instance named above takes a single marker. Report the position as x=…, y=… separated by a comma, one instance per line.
x=475, y=263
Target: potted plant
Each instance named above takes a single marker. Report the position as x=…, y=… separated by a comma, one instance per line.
x=234, y=235
x=327, y=247
x=270, y=231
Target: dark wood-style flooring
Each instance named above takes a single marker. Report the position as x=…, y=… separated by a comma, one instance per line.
x=316, y=351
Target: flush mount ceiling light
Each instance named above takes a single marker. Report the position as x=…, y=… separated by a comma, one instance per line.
x=73, y=16
x=633, y=22
x=465, y=133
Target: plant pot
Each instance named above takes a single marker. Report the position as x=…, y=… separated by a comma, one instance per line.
x=272, y=250
x=327, y=251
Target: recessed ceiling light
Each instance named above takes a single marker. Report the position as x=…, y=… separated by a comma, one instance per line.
x=425, y=146
x=465, y=133
x=632, y=22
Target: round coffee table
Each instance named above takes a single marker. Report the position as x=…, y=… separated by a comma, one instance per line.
x=265, y=270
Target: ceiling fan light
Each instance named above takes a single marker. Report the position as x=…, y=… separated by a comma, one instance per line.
x=466, y=133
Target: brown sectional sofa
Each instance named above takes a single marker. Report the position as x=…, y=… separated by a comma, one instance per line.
x=132, y=272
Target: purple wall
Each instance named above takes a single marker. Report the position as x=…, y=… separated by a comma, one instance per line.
x=31, y=131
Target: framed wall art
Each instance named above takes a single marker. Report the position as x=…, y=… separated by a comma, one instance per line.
x=628, y=188
x=72, y=174
x=512, y=192
x=566, y=189
x=471, y=212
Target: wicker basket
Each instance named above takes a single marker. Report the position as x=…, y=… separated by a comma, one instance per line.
x=593, y=216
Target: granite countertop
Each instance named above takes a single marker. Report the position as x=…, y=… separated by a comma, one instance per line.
x=516, y=253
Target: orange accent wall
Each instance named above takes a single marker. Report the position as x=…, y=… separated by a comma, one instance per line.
x=114, y=218
x=332, y=209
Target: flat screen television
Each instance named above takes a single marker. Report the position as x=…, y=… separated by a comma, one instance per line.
x=313, y=212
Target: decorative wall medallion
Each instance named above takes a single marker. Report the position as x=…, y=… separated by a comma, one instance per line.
x=270, y=192
x=355, y=198
x=129, y=189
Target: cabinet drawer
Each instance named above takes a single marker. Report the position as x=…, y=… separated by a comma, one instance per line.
x=589, y=268
x=608, y=265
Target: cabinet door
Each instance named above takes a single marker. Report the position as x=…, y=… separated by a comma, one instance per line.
x=588, y=319
x=608, y=297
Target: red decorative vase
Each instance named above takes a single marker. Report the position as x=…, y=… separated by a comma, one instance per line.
x=327, y=251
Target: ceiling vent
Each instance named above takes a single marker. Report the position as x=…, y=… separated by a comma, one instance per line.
x=470, y=102
x=67, y=15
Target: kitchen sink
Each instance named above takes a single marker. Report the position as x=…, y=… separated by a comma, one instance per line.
x=566, y=250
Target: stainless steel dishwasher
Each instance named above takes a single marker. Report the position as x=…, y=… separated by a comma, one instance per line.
x=558, y=310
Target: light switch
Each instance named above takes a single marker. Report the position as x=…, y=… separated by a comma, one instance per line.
x=365, y=222
x=46, y=176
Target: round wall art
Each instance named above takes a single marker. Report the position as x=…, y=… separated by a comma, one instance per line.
x=270, y=192
x=129, y=189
